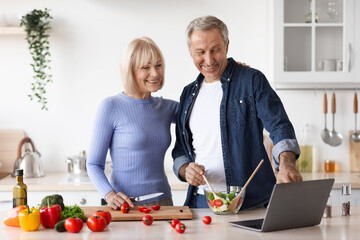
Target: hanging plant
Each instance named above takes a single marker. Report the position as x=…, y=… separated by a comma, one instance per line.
x=36, y=24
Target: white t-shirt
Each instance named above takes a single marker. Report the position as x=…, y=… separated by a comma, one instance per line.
x=204, y=124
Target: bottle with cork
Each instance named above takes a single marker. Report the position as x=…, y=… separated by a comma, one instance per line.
x=19, y=189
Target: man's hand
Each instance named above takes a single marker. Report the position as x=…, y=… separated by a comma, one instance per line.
x=115, y=200
x=192, y=173
x=287, y=169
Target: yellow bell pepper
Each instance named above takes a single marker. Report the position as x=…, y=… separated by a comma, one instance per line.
x=29, y=219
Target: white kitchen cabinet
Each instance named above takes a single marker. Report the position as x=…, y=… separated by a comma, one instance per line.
x=81, y=198
x=12, y=31
x=309, y=45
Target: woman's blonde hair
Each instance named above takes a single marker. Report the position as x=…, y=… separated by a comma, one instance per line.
x=138, y=52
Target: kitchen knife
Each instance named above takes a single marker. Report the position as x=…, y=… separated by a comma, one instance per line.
x=145, y=197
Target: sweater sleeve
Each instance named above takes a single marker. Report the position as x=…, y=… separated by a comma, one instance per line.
x=100, y=143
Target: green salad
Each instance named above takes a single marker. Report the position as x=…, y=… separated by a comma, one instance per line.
x=221, y=204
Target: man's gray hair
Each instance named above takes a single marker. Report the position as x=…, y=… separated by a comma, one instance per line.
x=207, y=23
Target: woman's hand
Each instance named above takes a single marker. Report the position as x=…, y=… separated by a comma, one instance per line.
x=115, y=200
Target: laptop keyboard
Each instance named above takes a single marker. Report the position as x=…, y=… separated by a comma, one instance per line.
x=257, y=226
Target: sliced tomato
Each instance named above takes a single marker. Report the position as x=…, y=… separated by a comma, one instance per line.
x=218, y=203
x=155, y=207
x=141, y=208
x=146, y=210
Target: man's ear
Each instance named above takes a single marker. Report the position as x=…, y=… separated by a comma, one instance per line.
x=227, y=46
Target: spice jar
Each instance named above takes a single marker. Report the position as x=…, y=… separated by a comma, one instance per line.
x=327, y=211
x=345, y=199
x=329, y=166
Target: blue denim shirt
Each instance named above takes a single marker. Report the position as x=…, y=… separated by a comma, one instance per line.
x=248, y=105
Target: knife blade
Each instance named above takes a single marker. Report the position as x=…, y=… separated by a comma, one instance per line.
x=145, y=197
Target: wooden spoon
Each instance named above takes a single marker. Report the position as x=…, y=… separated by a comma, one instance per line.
x=212, y=190
x=235, y=201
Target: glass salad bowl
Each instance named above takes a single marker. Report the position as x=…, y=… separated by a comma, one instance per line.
x=227, y=201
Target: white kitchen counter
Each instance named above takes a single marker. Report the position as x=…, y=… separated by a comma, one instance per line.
x=334, y=228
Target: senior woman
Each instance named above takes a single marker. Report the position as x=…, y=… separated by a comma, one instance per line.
x=135, y=127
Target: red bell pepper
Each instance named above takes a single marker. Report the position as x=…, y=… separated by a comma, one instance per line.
x=50, y=215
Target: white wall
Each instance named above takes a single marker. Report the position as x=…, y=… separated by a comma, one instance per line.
x=86, y=43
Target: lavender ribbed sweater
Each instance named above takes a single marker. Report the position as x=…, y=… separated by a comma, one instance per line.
x=137, y=133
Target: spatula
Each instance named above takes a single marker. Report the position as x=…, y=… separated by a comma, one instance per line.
x=235, y=201
x=212, y=190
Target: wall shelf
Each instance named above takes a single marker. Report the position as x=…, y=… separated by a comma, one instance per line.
x=12, y=31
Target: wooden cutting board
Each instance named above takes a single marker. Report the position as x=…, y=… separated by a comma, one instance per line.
x=165, y=212
x=354, y=154
x=9, y=142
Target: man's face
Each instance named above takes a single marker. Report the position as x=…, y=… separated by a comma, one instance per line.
x=208, y=50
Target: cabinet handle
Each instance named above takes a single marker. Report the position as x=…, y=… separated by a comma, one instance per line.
x=350, y=57
x=83, y=201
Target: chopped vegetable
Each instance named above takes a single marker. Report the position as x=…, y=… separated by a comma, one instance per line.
x=73, y=211
x=221, y=204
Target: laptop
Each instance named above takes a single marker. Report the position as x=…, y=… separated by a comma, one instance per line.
x=292, y=205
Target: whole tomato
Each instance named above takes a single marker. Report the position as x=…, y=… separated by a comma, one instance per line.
x=147, y=210
x=96, y=223
x=147, y=220
x=206, y=219
x=141, y=208
x=155, y=207
x=174, y=222
x=180, y=227
x=73, y=225
x=104, y=214
x=125, y=208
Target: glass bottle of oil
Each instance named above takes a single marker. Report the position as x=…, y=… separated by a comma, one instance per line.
x=19, y=189
x=305, y=161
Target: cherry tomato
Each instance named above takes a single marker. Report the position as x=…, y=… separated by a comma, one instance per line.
x=155, y=207
x=206, y=219
x=73, y=225
x=125, y=208
x=104, y=214
x=174, y=222
x=147, y=220
x=141, y=209
x=180, y=227
x=96, y=223
x=147, y=210
x=218, y=203
x=211, y=202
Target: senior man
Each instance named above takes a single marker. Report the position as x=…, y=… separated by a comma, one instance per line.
x=221, y=118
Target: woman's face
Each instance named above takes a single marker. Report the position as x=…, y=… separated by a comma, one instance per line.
x=148, y=77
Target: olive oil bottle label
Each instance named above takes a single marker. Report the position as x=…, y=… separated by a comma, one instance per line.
x=19, y=202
